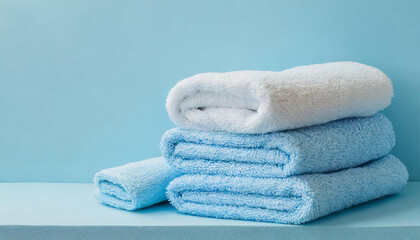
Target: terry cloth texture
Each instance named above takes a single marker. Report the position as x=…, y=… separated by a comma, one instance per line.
x=134, y=185
x=263, y=101
x=332, y=146
x=295, y=200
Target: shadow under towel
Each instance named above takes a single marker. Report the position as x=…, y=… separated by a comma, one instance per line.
x=295, y=200
x=135, y=185
x=329, y=147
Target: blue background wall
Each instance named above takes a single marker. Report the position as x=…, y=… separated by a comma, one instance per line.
x=83, y=83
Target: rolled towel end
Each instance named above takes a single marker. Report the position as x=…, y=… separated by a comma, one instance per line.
x=134, y=185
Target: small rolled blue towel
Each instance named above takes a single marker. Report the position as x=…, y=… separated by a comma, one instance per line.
x=294, y=200
x=135, y=185
x=322, y=148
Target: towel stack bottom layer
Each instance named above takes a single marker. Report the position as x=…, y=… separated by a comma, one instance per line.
x=295, y=199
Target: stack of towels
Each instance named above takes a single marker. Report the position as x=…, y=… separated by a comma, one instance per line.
x=283, y=147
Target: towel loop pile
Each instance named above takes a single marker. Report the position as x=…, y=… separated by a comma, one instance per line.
x=282, y=147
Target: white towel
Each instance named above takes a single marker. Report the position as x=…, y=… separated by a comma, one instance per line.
x=264, y=101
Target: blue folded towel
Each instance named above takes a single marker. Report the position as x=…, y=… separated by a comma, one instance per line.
x=332, y=146
x=134, y=185
x=295, y=199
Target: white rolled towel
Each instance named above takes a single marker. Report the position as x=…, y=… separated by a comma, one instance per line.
x=265, y=101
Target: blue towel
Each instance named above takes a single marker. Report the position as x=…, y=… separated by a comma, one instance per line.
x=134, y=185
x=332, y=146
x=295, y=199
